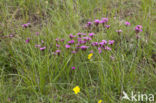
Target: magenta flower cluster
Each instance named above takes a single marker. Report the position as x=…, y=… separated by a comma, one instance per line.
x=83, y=42
x=96, y=22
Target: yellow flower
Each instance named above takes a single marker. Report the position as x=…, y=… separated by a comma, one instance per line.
x=90, y=55
x=100, y=101
x=76, y=89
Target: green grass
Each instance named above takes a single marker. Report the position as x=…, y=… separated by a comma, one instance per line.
x=28, y=75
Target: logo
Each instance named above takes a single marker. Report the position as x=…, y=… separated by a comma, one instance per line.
x=138, y=97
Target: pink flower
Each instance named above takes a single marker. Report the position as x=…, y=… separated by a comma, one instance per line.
x=91, y=34
x=73, y=68
x=119, y=31
x=57, y=39
x=127, y=23
x=96, y=22
x=79, y=34
x=42, y=48
x=138, y=28
x=73, y=52
x=107, y=26
x=95, y=44
x=100, y=50
x=57, y=45
x=108, y=48
x=72, y=36
x=104, y=20
x=104, y=41
x=71, y=42
x=87, y=38
x=26, y=25
x=37, y=46
x=111, y=42
x=42, y=41
x=89, y=24
x=67, y=46
x=27, y=40
x=84, y=47
x=58, y=52
x=62, y=40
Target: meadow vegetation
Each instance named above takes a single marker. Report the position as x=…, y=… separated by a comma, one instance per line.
x=76, y=51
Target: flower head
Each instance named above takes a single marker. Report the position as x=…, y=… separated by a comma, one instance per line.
x=127, y=23
x=76, y=89
x=26, y=25
x=42, y=48
x=108, y=48
x=89, y=24
x=138, y=28
x=73, y=68
x=100, y=101
x=107, y=26
x=87, y=38
x=27, y=40
x=57, y=39
x=62, y=40
x=71, y=42
x=58, y=52
x=67, y=46
x=57, y=45
x=90, y=55
x=100, y=50
x=111, y=42
x=119, y=31
x=72, y=36
x=79, y=34
x=104, y=20
x=96, y=22
x=103, y=43
x=95, y=43
x=42, y=41
x=73, y=52
x=91, y=34
x=84, y=47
